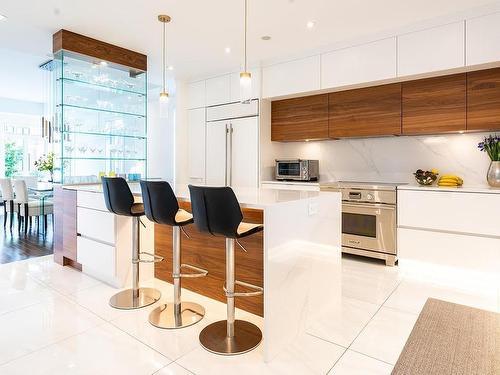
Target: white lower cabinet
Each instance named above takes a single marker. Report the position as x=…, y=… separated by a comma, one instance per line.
x=96, y=224
x=98, y=258
x=454, y=230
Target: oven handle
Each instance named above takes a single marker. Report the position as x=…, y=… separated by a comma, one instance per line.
x=370, y=205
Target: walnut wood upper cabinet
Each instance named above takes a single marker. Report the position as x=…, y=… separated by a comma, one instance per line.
x=435, y=105
x=367, y=112
x=300, y=119
x=483, y=100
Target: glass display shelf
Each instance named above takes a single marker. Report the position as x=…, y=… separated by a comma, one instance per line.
x=103, y=134
x=101, y=119
x=100, y=86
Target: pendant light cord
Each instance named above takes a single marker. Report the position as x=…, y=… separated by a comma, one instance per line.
x=164, y=55
x=245, y=44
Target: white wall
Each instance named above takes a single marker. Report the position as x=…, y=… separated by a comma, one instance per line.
x=393, y=159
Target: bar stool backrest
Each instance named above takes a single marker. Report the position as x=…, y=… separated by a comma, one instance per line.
x=216, y=210
x=21, y=191
x=160, y=202
x=117, y=195
x=6, y=187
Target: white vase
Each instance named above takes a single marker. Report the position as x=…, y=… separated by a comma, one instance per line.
x=493, y=176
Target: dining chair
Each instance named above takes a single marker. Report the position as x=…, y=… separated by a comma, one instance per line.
x=29, y=207
x=8, y=201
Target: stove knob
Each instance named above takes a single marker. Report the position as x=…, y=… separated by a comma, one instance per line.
x=369, y=196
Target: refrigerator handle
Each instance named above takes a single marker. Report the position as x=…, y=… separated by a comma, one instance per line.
x=226, y=157
x=230, y=154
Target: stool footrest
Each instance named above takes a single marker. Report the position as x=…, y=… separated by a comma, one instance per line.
x=200, y=272
x=258, y=290
x=156, y=258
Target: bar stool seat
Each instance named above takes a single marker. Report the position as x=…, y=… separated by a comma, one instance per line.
x=161, y=207
x=216, y=211
x=120, y=201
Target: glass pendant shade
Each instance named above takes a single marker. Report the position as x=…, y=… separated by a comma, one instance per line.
x=164, y=99
x=245, y=87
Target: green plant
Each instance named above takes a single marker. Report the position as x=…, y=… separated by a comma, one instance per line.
x=13, y=157
x=45, y=163
x=491, y=145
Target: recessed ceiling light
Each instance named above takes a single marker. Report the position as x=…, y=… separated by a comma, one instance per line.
x=227, y=50
x=103, y=63
x=2, y=17
x=310, y=24
x=170, y=67
x=265, y=37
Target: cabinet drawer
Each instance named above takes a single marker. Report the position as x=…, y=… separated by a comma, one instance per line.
x=97, y=225
x=471, y=213
x=91, y=200
x=449, y=249
x=96, y=258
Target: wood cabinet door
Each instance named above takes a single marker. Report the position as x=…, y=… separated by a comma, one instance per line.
x=483, y=100
x=434, y=105
x=367, y=112
x=300, y=119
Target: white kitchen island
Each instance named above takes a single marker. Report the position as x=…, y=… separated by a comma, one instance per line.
x=301, y=252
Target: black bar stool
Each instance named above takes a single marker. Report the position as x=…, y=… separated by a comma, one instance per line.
x=120, y=201
x=216, y=210
x=161, y=207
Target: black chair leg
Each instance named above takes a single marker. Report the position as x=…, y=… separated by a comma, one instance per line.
x=11, y=214
x=26, y=219
x=4, y=214
x=45, y=223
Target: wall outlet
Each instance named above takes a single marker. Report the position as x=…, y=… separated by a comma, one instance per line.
x=313, y=208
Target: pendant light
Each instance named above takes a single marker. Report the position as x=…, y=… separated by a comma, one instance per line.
x=164, y=98
x=245, y=75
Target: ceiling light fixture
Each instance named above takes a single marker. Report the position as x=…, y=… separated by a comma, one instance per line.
x=2, y=17
x=227, y=50
x=164, y=19
x=265, y=37
x=170, y=67
x=104, y=63
x=310, y=24
x=245, y=75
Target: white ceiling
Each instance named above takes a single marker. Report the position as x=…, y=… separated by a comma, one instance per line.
x=201, y=29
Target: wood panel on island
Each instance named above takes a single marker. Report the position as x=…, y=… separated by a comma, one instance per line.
x=65, y=247
x=300, y=119
x=208, y=252
x=483, y=100
x=366, y=112
x=435, y=105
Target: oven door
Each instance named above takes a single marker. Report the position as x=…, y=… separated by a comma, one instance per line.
x=288, y=170
x=369, y=226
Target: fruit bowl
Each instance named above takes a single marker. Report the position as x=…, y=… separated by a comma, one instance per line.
x=425, y=177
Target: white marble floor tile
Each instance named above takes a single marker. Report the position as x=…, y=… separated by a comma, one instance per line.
x=366, y=287
x=65, y=280
x=386, y=334
x=345, y=320
x=173, y=369
x=352, y=363
x=102, y=350
x=308, y=355
x=36, y=326
x=411, y=296
x=18, y=290
x=96, y=299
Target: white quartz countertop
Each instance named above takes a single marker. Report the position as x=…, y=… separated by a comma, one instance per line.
x=485, y=189
x=308, y=183
x=248, y=197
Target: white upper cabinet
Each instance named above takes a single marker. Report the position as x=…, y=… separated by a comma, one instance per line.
x=235, y=85
x=196, y=145
x=430, y=50
x=364, y=63
x=291, y=77
x=218, y=90
x=483, y=39
x=196, y=94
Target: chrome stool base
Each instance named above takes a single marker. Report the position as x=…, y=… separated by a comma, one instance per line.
x=246, y=337
x=166, y=317
x=125, y=300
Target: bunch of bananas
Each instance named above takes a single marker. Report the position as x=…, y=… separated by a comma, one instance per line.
x=450, y=180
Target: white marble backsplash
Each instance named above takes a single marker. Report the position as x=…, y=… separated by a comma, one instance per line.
x=394, y=159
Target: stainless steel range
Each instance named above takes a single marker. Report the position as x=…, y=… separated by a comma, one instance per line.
x=368, y=218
